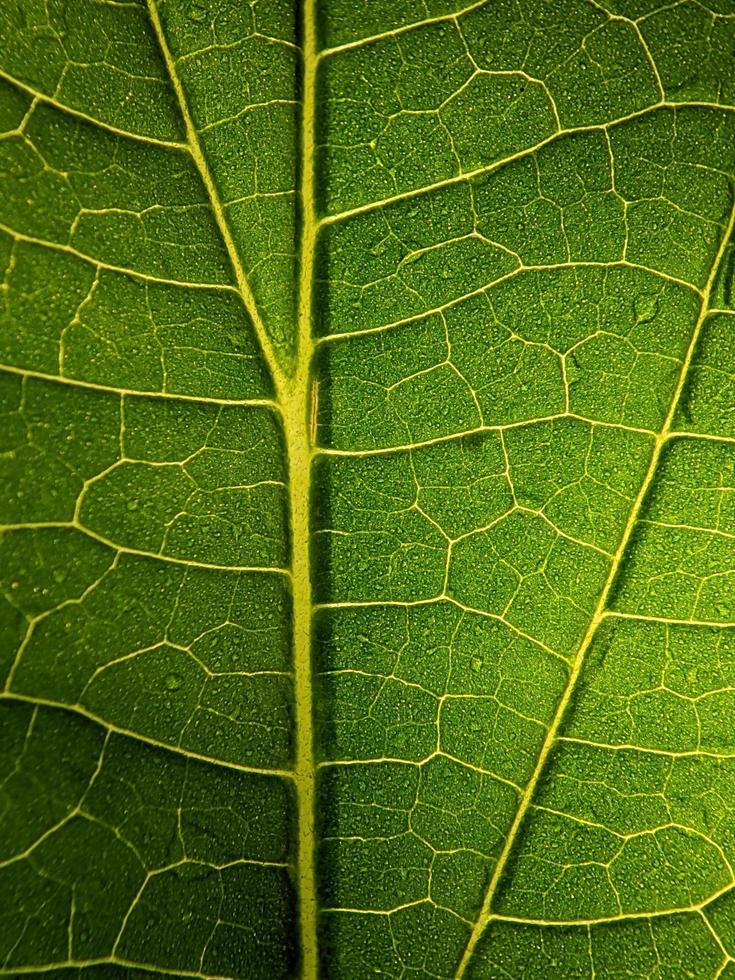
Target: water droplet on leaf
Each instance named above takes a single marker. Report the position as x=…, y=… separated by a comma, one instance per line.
x=174, y=681
x=646, y=307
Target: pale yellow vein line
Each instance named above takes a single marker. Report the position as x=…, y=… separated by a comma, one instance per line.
x=362, y=912
x=141, y=392
x=295, y=397
x=141, y=553
x=625, y=917
x=720, y=945
x=79, y=709
x=92, y=120
x=216, y=205
x=647, y=749
x=398, y=31
x=418, y=763
x=667, y=620
x=20, y=236
x=706, y=436
x=489, y=168
x=480, y=430
x=438, y=600
x=598, y=616
x=486, y=287
x=17, y=971
x=186, y=562
x=715, y=532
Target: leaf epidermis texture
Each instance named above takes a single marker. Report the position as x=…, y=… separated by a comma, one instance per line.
x=368, y=489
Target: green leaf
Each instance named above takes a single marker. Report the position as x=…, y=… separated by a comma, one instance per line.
x=367, y=477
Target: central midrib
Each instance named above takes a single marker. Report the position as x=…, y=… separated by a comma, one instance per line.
x=296, y=401
x=292, y=383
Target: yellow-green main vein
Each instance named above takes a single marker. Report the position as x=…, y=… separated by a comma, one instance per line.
x=292, y=383
x=295, y=399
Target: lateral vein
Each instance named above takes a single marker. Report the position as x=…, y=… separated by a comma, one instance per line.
x=599, y=614
x=218, y=211
x=292, y=386
x=85, y=117
x=80, y=710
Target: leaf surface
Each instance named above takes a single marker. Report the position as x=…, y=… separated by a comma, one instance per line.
x=367, y=472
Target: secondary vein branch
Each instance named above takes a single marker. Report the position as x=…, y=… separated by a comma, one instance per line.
x=598, y=616
x=200, y=161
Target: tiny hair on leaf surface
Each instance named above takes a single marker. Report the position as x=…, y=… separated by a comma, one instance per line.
x=367, y=489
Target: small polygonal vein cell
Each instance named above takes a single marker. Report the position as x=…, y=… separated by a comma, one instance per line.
x=367, y=489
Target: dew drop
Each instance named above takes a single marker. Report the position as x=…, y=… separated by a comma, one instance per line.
x=646, y=307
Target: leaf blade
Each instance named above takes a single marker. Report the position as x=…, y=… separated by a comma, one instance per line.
x=513, y=268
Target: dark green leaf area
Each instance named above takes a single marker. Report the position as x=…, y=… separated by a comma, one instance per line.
x=200, y=855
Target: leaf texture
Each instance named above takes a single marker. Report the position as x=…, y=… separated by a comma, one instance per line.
x=367, y=477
